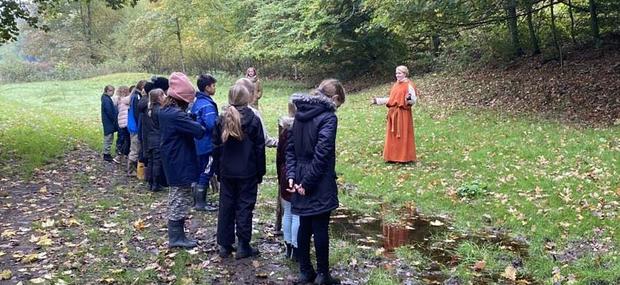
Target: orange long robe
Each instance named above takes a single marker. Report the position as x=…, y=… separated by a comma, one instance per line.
x=399, y=135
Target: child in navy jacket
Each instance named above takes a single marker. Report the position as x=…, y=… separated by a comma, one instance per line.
x=310, y=169
x=239, y=162
x=178, y=155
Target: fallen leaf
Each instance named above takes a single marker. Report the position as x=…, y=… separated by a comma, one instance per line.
x=8, y=234
x=48, y=223
x=479, y=265
x=436, y=223
x=139, y=225
x=255, y=263
x=30, y=258
x=510, y=273
x=45, y=241
x=37, y=280
x=6, y=274
x=43, y=189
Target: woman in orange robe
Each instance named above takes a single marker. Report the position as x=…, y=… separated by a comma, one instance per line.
x=399, y=136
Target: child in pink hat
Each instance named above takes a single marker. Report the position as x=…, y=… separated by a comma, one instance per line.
x=178, y=154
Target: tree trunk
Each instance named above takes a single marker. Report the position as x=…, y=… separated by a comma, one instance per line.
x=86, y=18
x=530, y=26
x=180, y=44
x=555, y=34
x=572, y=21
x=436, y=42
x=511, y=13
x=594, y=24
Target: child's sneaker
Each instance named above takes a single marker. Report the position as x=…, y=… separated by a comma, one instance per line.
x=107, y=157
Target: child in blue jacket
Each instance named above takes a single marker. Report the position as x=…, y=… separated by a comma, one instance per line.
x=204, y=110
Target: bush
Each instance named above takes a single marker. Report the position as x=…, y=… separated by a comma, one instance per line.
x=13, y=70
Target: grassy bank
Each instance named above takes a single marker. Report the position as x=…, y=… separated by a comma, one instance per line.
x=551, y=185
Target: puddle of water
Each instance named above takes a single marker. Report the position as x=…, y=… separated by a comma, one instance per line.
x=369, y=231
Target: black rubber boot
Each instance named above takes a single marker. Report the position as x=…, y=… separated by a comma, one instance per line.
x=176, y=235
x=306, y=277
x=108, y=157
x=288, y=250
x=325, y=279
x=245, y=250
x=132, y=167
x=156, y=187
x=294, y=254
x=226, y=251
x=200, y=196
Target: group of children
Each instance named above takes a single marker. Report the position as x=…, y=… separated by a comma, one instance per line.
x=186, y=142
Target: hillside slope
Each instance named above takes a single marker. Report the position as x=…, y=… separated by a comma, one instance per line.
x=586, y=90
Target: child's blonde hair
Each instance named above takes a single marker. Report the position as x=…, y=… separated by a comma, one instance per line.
x=332, y=88
x=238, y=96
x=122, y=91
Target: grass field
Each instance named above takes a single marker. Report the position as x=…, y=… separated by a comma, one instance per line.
x=555, y=186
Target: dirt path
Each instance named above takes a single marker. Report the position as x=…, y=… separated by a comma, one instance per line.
x=82, y=221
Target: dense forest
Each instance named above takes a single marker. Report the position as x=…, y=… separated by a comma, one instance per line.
x=66, y=39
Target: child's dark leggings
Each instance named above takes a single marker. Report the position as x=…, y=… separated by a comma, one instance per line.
x=155, y=168
x=237, y=200
x=317, y=225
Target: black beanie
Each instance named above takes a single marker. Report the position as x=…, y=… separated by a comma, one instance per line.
x=161, y=83
x=148, y=87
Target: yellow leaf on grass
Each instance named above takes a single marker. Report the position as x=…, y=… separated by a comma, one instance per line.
x=139, y=225
x=436, y=223
x=37, y=280
x=48, y=223
x=2, y=253
x=71, y=222
x=43, y=189
x=45, y=241
x=510, y=273
x=6, y=274
x=7, y=234
x=30, y=258
x=186, y=281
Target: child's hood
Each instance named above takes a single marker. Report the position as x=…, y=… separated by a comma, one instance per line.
x=309, y=106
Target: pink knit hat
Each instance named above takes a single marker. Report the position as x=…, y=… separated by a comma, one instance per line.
x=180, y=87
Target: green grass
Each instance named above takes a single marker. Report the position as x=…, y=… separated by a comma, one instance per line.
x=545, y=180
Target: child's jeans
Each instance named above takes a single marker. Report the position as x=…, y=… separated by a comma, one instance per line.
x=290, y=224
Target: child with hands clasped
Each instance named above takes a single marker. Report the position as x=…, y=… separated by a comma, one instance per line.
x=311, y=174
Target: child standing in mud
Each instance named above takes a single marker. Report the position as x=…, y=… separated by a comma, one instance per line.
x=239, y=162
x=311, y=174
x=177, y=133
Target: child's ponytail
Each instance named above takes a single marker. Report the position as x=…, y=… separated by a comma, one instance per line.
x=238, y=97
x=231, y=124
